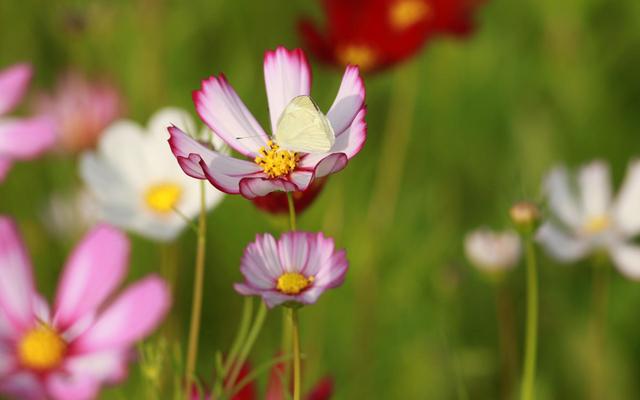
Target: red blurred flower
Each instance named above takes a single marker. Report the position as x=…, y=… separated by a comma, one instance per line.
x=323, y=390
x=277, y=203
x=248, y=392
x=376, y=34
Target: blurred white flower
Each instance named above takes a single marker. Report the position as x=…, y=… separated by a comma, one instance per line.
x=587, y=219
x=70, y=215
x=137, y=180
x=492, y=251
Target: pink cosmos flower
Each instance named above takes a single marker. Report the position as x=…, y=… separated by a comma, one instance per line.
x=85, y=341
x=81, y=110
x=298, y=268
x=270, y=168
x=20, y=138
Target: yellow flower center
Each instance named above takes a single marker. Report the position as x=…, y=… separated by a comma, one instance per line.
x=405, y=13
x=597, y=224
x=162, y=198
x=276, y=162
x=293, y=282
x=363, y=56
x=41, y=349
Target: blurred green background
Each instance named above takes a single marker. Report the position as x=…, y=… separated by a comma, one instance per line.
x=540, y=82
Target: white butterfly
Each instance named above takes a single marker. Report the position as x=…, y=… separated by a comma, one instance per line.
x=303, y=127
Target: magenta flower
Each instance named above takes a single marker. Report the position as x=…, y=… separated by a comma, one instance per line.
x=81, y=110
x=20, y=138
x=298, y=268
x=85, y=341
x=270, y=167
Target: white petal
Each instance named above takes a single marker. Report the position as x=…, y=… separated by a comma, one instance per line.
x=561, y=199
x=626, y=258
x=595, y=188
x=561, y=246
x=626, y=211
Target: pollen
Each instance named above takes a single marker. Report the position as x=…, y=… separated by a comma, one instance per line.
x=293, y=282
x=597, y=224
x=162, y=198
x=361, y=55
x=41, y=349
x=276, y=162
x=405, y=13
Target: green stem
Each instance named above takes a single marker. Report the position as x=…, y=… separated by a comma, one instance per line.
x=295, y=334
x=246, y=348
x=247, y=312
x=598, y=326
x=292, y=211
x=531, y=341
x=507, y=341
x=198, y=283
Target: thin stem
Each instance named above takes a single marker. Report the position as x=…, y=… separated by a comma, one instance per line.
x=531, y=341
x=198, y=282
x=600, y=287
x=247, y=311
x=292, y=211
x=295, y=334
x=246, y=348
x=506, y=339
x=287, y=329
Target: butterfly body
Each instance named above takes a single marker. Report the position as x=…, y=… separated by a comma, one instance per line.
x=302, y=127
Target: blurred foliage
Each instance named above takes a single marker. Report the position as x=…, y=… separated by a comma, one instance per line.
x=541, y=82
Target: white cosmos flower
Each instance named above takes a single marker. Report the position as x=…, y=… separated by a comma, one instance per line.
x=588, y=219
x=492, y=251
x=137, y=181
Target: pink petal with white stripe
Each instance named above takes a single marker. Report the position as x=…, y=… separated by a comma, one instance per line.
x=350, y=142
x=286, y=75
x=293, y=251
x=222, y=110
x=26, y=138
x=197, y=161
x=133, y=315
x=95, y=268
x=16, y=277
x=257, y=187
x=310, y=254
x=349, y=100
x=14, y=82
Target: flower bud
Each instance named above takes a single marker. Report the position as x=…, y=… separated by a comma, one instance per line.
x=525, y=216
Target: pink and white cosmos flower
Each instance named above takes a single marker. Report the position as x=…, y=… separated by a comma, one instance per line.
x=287, y=75
x=20, y=138
x=87, y=339
x=296, y=269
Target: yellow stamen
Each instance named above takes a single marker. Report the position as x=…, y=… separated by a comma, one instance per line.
x=41, y=349
x=293, y=282
x=276, y=162
x=163, y=197
x=361, y=55
x=597, y=224
x=405, y=13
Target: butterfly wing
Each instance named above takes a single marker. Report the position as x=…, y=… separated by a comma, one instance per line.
x=303, y=127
